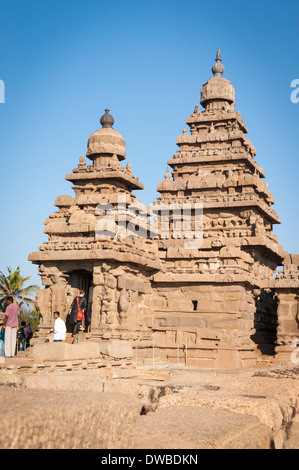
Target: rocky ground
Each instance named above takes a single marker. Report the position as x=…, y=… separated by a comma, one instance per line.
x=253, y=408
x=161, y=407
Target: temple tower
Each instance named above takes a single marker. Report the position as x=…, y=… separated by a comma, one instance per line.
x=210, y=291
x=91, y=245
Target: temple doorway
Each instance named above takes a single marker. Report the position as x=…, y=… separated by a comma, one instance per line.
x=82, y=280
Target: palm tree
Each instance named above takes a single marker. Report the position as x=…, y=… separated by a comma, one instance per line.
x=13, y=286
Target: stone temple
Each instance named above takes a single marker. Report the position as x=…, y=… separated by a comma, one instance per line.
x=202, y=279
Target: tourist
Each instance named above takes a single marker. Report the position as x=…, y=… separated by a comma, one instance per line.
x=59, y=329
x=77, y=312
x=24, y=334
x=10, y=324
x=21, y=337
x=2, y=352
x=28, y=334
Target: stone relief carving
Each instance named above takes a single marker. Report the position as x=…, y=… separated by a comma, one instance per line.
x=123, y=306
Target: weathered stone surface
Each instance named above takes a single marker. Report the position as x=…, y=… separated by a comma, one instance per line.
x=106, y=141
x=117, y=349
x=201, y=428
x=41, y=419
x=270, y=394
x=266, y=397
x=292, y=440
x=287, y=290
x=64, y=201
x=72, y=380
x=65, y=351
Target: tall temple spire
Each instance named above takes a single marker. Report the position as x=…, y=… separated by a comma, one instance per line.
x=218, y=68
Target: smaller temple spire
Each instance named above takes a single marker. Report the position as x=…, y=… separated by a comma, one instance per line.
x=167, y=175
x=107, y=120
x=218, y=68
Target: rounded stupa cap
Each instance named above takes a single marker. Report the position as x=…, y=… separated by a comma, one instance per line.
x=106, y=141
x=217, y=87
x=107, y=120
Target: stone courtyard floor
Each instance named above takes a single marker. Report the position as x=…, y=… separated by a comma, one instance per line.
x=164, y=406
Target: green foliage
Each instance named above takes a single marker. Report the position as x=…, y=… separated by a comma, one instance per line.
x=31, y=318
x=14, y=285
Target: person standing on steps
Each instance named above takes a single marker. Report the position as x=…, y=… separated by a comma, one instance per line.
x=11, y=325
x=59, y=328
x=77, y=312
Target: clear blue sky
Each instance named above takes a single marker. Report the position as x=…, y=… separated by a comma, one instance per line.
x=63, y=62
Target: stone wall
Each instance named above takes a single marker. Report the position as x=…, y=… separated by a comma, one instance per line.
x=204, y=320
x=287, y=289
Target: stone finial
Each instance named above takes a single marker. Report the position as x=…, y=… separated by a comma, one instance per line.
x=82, y=162
x=167, y=175
x=218, y=68
x=196, y=109
x=107, y=120
x=114, y=162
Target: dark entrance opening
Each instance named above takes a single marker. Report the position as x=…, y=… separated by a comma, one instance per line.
x=194, y=302
x=265, y=321
x=82, y=280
